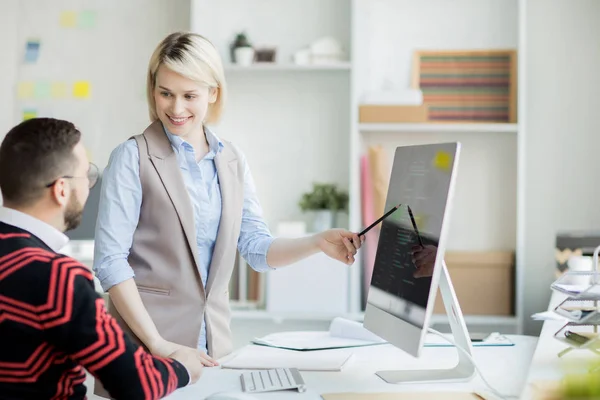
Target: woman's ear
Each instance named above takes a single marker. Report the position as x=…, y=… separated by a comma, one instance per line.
x=213, y=93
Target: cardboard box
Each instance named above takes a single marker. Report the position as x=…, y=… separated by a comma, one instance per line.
x=371, y=113
x=483, y=281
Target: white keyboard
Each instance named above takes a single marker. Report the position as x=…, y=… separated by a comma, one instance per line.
x=269, y=380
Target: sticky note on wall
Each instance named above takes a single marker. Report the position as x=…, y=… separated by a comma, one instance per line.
x=87, y=19
x=32, y=51
x=58, y=90
x=68, y=19
x=42, y=90
x=81, y=90
x=29, y=114
x=442, y=161
x=25, y=90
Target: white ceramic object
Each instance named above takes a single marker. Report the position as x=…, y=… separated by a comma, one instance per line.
x=579, y=263
x=244, y=56
x=322, y=220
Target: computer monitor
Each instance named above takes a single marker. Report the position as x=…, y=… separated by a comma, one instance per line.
x=409, y=265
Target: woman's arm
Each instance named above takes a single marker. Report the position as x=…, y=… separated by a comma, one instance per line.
x=118, y=216
x=339, y=244
x=263, y=252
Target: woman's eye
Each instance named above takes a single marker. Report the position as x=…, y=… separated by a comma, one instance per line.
x=190, y=96
x=165, y=94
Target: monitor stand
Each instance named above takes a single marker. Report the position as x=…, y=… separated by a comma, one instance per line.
x=461, y=372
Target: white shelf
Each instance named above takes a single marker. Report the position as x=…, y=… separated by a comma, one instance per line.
x=439, y=127
x=344, y=66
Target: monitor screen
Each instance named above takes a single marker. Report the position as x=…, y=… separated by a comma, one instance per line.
x=409, y=238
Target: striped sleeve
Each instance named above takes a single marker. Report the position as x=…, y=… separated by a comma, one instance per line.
x=77, y=324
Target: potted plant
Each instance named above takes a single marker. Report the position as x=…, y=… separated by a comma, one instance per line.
x=324, y=201
x=242, y=51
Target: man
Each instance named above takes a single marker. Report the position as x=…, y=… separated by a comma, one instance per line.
x=52, y=322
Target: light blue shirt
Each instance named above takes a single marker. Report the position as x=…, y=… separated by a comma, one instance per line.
x=121, y=199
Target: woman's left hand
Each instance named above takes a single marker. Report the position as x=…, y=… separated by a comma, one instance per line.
x=339, y=244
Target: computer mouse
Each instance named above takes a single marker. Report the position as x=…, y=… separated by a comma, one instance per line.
x=231, y=396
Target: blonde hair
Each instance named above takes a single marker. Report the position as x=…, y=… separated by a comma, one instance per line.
x=194, y=57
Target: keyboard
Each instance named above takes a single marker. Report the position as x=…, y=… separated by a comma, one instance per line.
x=270, y=380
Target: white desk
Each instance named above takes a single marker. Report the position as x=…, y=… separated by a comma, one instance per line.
x=504, y=367
x=546, y=365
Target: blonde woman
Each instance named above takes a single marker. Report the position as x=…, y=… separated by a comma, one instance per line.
x=176, y=203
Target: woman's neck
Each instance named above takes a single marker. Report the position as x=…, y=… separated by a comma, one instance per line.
x=198, y=141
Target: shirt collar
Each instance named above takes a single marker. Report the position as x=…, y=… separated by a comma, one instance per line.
x=214, y=143
x=48, y=234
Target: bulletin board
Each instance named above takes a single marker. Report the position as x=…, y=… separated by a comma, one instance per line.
x=468, y=86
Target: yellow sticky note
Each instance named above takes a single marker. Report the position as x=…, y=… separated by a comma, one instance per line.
x=58, y=90
x=68, y=19
x=29, y=114
x=442, y=160
x=26, y=90
x=81, y=90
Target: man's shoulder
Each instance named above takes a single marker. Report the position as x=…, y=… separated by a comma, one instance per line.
x=26, y=264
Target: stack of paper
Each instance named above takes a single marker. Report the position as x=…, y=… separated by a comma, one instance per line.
x=342, y=333
x=260, y=357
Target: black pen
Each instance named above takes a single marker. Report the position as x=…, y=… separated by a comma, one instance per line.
x=384, y=216
x=414, y=224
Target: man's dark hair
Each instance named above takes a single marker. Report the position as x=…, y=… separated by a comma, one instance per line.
x=34, y=154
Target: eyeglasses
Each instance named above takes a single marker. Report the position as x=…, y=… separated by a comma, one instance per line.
x=92, y=177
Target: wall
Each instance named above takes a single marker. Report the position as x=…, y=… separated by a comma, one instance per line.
x=112, y=55
x=561, y=134
x=8, y=65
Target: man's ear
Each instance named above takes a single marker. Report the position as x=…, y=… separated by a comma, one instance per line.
x=213, y=94
x=60, y=192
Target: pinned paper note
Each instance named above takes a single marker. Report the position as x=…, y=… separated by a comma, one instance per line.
x=32, y=50
x=81, y=90
x=25, y=90
x=68, y=19
x=29, y=114
x=58, y=90
x=442, y=160
x=42, y=90
x=87, y=19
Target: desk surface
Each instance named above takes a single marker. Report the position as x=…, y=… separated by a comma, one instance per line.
x=546, y=365
x=504, y=367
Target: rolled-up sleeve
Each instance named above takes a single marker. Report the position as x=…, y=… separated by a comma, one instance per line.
x=255, y=238
x=118, y=215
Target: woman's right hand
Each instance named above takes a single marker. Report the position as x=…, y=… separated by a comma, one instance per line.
x=190, y=361
x=164, y=348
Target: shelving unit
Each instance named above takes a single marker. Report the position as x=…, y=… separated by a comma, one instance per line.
x=487, y=199
x=438, y=127
x=299, y=123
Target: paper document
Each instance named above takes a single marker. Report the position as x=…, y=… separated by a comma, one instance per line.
x=342, y=333
x=547, y=316
x=261, y=357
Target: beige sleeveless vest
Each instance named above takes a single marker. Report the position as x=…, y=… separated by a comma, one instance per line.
x=164, y=252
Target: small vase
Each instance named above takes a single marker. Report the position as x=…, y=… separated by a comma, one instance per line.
x=244, y=56
x=322, y=220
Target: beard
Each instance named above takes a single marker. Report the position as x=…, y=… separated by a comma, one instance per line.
x=73, y=212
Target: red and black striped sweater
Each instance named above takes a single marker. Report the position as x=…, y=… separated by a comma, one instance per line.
x=53, y=324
